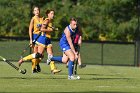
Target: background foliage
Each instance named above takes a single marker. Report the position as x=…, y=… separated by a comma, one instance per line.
x=99, y=19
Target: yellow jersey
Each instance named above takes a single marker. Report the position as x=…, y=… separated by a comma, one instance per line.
x=37, y=24
x=49, y=26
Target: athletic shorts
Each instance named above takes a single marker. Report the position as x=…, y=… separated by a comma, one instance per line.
x=34, y=36
x=64, y=47
x=44, y=41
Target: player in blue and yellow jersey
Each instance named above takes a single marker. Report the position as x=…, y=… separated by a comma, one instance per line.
x=44, y=42
x=67, y=46
x=34, y=31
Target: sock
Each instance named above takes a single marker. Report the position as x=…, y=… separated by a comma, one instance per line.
x=38, y=61
x=52, y=65
x=70, y=67
x=29, y=57
x=58, y=59
x=34, y=62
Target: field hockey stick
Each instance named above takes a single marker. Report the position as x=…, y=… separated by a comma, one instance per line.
x=76, y=61
x=33, y=43
x=14, y=66
x=54, y=28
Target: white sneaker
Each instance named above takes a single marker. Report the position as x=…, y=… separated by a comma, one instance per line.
x=73, y=77
x=49, y=59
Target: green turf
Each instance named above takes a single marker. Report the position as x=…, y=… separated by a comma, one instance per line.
x=112, y=54
x=94, y=79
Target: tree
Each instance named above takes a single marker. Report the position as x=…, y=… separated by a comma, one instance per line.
x=113, y=19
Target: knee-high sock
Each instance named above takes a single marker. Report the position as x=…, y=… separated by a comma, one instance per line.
x=38, y=61
x=29, y=57
x=34, y=63
x=52, y=65
x=70, y=67
x=58, y=58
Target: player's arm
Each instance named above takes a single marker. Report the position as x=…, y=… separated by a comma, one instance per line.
x=30, y=30
x=44, y=27
x=80, y=35
x=67, y=33
x=80, y=41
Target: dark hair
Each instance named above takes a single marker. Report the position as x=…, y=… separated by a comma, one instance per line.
x=73, y=19
x=48, y=11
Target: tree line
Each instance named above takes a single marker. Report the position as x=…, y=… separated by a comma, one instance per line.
x=113, y=20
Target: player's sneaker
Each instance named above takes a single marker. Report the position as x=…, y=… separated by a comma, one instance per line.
x=55, y=71
x=34, y=71
x=82, y=66
x=20, y=62
x=73, y=77
x=49, y=59
x=38, y=68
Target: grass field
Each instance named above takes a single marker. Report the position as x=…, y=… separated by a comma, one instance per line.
x=94, y=79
